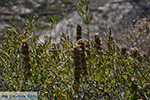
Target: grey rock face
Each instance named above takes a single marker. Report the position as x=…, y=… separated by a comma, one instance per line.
x=103, y=17
x=106, y=13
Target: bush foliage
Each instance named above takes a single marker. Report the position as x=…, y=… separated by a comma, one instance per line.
x=67, y=70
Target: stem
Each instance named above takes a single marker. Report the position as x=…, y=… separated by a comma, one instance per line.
x=88, y=29
x=88, y=32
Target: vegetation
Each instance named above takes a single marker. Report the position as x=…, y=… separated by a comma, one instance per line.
x=66, y=70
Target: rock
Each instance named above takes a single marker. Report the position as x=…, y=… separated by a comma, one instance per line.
x=105, y=14
x=112, y=13
x=21, y=10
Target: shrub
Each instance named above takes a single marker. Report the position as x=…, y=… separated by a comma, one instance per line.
x=112, y=73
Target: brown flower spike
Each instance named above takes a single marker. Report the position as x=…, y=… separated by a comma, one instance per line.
x=134, y=52
x=26, y=58
x=83, y=57
x=25, y=47
x=79, y=31
x=77, y=68
x=98, y=42
x=123, y=50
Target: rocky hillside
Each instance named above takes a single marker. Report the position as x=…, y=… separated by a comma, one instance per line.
x=106, y=15
x=22, y=8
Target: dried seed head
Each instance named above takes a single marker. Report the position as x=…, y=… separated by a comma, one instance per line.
x=86, y=44
x=82, y=44
x=97, y=41
x=97, y=38
x=134, y=52
x=76, y=55
x=123, y=50
x=111, y=38
x=24, y=41
x=83, y=56
x=77, y=48
x=77, y=72
x=79, y=28
x=80, y=41
x=77, y=68
x=27, y=70
x=140, y=57
x=79, y=31
x=25, y=48
x=96, y=35
x=26, y=58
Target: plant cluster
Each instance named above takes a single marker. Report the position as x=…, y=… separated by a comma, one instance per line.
x=65, y=70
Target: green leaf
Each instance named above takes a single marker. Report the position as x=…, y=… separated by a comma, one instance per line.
x=90, y=18
x=46, y=37
x=8, y=27
x=83, y=12
x=106, y=38
x=82, y=2
x=51, y=19
x=87, y=7
x=78, y=6
x=51, y=27
x=81, y=16
x=142, y=31
x=122, y=94
x=147, y=31
x=12, y=18
x=84, y=32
